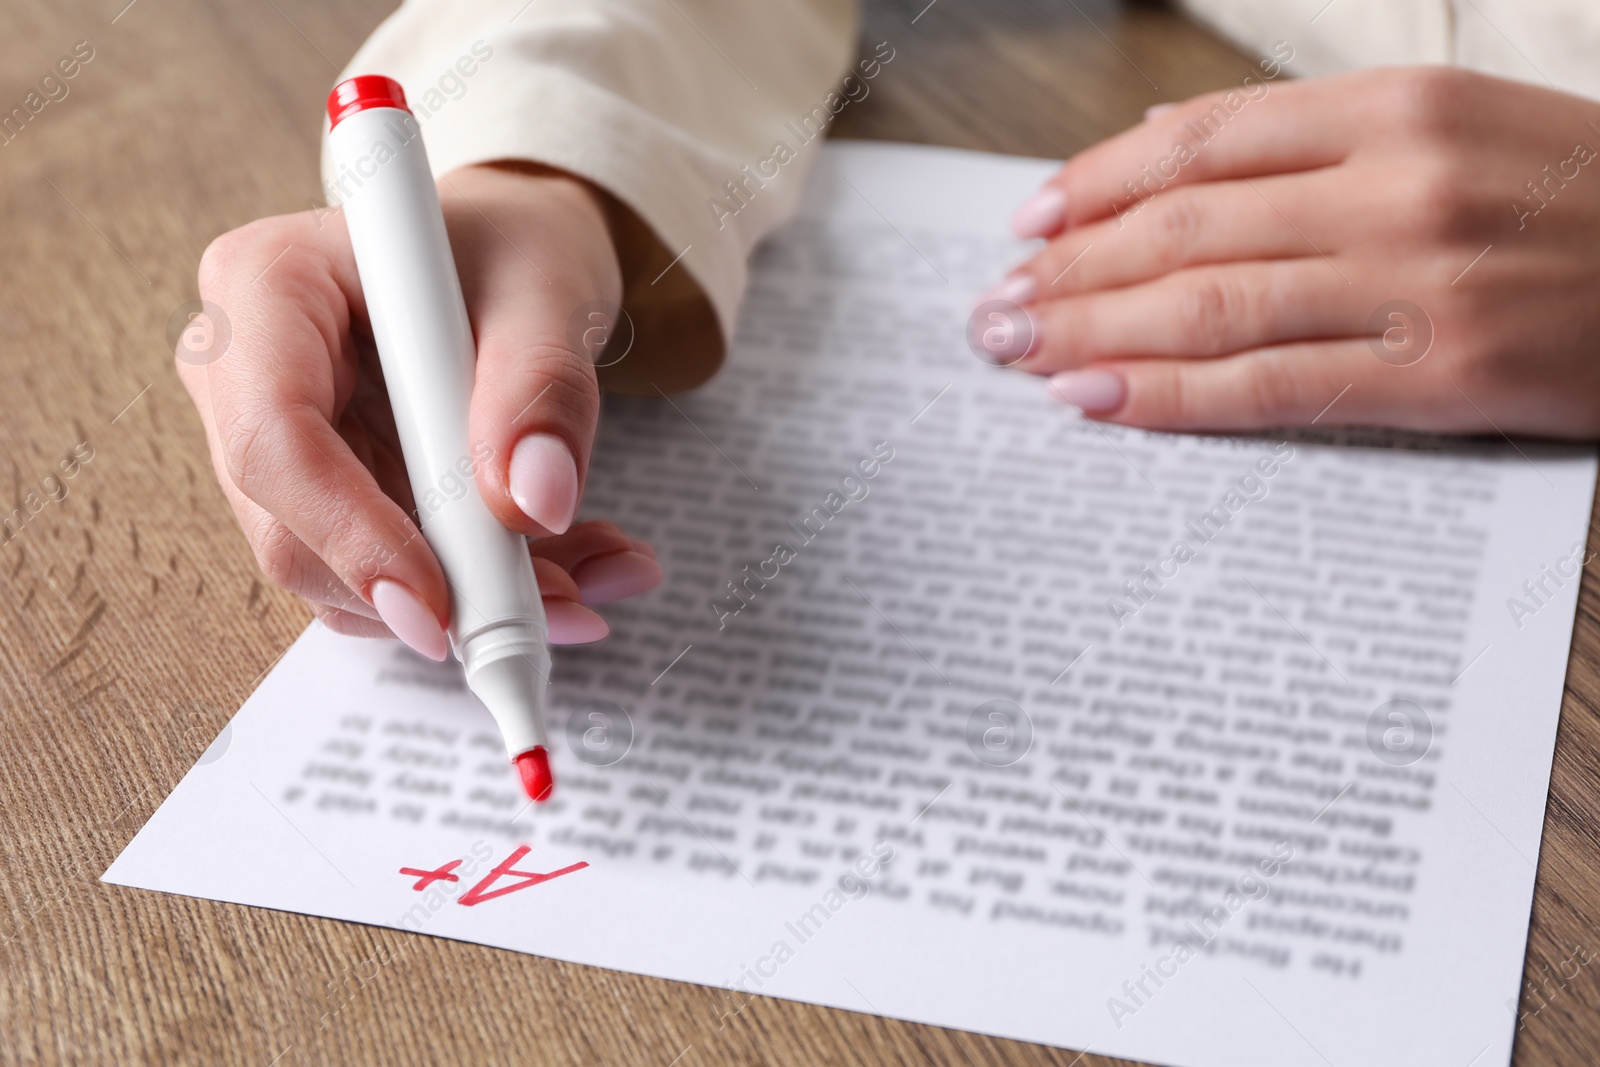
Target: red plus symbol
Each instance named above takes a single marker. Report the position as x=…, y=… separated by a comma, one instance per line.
x=438, y=874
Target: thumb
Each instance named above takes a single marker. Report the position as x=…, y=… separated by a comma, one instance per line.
x=532, y=250
x=533, y=417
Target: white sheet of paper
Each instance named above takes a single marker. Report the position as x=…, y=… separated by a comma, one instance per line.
x=959, y=667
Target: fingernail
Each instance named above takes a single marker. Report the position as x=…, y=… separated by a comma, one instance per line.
x=1041, y=214
x=1016, y=289
x=1090, y=390
x=544, y=481
x=572, y=623
x=1155, y=109
x=411, y=620
x=617, y=576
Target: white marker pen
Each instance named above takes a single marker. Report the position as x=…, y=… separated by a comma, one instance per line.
x=419, y=321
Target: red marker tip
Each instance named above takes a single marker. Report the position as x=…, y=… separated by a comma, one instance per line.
x=534, y=766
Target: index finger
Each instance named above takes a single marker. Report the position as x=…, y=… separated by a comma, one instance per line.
x=1259, y=128
x=274, y=399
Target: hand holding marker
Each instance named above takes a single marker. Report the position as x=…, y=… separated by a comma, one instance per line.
x=425, y=345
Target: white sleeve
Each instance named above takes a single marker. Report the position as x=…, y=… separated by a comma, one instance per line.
x=1543, y=42
x=662, y=103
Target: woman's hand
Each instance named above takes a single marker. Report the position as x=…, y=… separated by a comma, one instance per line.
x=304, y=444
x=1412, y=247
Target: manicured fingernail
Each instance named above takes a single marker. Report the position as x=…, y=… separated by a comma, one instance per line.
x=1090, y=390
x=544, y=481
x=1016, y=289
x=1041, y=214
x=572, y=623
x=411, y=620
x=1155, y=109
x=616, y=576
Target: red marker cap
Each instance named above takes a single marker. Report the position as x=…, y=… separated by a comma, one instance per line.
x=360, y=93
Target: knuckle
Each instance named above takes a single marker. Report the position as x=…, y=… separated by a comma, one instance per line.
x=1441, y=205
x=563, y=364
x=351, y=549
x=1208, y=309
x=1176, y=404
x=1426, y=100
x=575, y=390
x=276, y=551
x=229, y=253
x=1179, y=224
x=217, y=261
x=563, y=383
x=246, y=448
x=1274, y=388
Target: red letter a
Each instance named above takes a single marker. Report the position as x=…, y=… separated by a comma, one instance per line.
x=480, y=892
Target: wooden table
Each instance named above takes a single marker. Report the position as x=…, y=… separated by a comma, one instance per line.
x=133, y=621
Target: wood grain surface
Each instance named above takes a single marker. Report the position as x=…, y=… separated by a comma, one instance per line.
x=133, y=621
